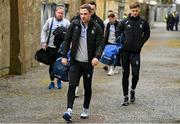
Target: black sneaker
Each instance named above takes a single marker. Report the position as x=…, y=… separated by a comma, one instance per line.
x=132, y=98
x=126, y=101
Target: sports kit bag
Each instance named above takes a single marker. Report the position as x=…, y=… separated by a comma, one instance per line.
x=60, y=70
x=42, y=55
x=109, y=55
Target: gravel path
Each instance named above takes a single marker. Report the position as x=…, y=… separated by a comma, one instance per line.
x=26, y=98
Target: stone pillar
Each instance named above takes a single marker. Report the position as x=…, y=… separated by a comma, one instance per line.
x=29, y=32
x=15, y=65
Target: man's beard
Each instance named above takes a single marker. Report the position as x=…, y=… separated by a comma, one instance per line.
x=59, y=19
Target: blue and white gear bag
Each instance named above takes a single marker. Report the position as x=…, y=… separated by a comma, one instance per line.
x=109, y=55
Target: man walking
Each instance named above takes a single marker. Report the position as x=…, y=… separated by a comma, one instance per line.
x=48, y=29
x=176, y=20
x=137, y=32
x=110, y=38
x=94, y=16
x=86, y=40
x=96, y=19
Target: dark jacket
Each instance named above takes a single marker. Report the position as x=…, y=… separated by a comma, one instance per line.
x=107, y=31
x=98, y=20
x=136, y=31
x=94, y=17
x=95, y=40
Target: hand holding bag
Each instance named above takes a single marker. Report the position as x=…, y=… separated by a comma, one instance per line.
x=60, y=70
x=42, y=55
x=111, y=51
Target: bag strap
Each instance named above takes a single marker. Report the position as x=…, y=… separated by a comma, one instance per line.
x=50, y=31
x=121, y=40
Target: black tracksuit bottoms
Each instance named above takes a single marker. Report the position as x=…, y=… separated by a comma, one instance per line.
x=133, y=59
x=52, y=57
x=78, y=69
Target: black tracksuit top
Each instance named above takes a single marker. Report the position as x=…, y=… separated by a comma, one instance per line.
x=95, y=40
x=136, y=31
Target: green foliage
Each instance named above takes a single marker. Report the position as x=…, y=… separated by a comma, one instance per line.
x=165, y=1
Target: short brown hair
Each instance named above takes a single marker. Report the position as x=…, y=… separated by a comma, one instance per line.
x=134, y=5
x=58, y=8
x=112, y=15
x=110, y=10
x=92, y=3
x=86, y=6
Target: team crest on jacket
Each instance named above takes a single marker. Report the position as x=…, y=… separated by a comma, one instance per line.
x=92, y=32
x=76, y=27
x=129, y=26
x=140, y=26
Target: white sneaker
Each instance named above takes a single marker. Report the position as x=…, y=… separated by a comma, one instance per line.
x=68, y=115
x=111, y=71
x=117, y=69
x=84, y=114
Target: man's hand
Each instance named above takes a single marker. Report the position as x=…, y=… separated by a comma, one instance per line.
x=64, y=61
x=44, y=45
x=95, y=61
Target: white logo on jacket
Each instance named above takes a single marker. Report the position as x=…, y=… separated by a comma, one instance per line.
x=129, y=26
x=92, y=32
x=140, y=26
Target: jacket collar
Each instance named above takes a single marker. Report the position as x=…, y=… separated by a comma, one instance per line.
x=133, y=18
x=115, y=23
x=78, y=22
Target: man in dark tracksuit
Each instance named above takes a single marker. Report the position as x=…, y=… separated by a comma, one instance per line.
x=96, y=19
x=137, y=32
x=110, y=38
x=87, y=44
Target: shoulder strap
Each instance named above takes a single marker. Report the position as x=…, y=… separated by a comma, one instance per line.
x=120, y=39
x=50, y=31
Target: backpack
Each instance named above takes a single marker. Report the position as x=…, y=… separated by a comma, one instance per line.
x=59, y=34
x=109, y=55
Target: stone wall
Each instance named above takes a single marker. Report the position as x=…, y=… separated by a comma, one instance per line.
x=4, y=37
x=29, y=32
x=20, y=32
x=112, y=5
x=19, y=35
x=104, y=5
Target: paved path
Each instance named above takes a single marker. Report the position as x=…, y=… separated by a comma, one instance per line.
x=26, y=99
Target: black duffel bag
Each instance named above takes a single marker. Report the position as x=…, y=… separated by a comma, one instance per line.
x=42, y=56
